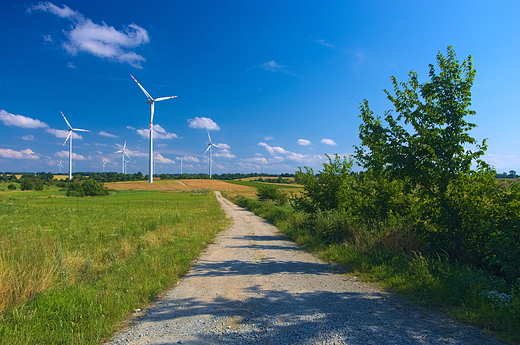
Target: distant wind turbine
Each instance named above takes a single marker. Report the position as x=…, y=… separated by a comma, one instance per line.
x=104, y=163
x=123, y=160
x=151, y=101
x=210, y=144
x=61, y=166
x=69, y=136
x=182, y=161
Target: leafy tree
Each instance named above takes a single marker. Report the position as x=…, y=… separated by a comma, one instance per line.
x=11, y=186
x=425, y=144
x=271, y=193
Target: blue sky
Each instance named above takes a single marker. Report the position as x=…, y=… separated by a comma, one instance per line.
x=277, y=83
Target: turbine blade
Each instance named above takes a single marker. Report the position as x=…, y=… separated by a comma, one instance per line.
x=67, y=122
x=142, y=88
x=207, y=149
x=124, y=146
x=68, y=136
x=209, y=138
x=127, y=155
x=215, y=145
x=80, y=130
x=163, y=98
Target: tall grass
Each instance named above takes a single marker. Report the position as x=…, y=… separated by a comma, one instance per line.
x=71, y=269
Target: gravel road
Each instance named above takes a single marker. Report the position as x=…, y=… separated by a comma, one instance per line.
x=253, y=286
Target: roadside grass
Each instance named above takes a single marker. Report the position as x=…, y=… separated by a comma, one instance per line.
x=73, y=269
x=469, y=294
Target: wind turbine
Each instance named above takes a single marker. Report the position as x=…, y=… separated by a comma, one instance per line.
x=182, y=161
x=61, y=166
x=104, y=163
x=210, y=144
x=151, y=101
x=69, y=136
x=123, y=160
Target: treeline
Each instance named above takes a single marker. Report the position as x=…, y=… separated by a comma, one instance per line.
x=226, y=176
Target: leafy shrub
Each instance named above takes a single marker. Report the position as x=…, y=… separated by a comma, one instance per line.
x=88, y=187
x=11, y=186
x=271, y=193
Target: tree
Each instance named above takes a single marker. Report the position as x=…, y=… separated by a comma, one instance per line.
x=425, y=144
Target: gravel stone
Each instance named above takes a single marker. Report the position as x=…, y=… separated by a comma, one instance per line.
x=253, y=286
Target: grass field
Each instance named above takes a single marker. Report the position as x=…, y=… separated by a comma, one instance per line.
x=72, y=269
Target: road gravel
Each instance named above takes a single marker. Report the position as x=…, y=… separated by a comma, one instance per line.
x=254, y=286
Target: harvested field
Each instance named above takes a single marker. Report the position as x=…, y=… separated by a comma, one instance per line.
x=166, y=185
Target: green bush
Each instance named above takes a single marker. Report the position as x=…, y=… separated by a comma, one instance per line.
x=88, y=187
x=271, y=193
x=11, y=186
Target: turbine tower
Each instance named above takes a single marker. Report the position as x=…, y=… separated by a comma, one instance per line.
x=151, y=101
x=210, y=144
x=69, y=136
x=61, y=166
x=104, y=163
x=123, y=160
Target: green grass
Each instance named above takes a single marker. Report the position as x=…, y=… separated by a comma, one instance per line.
x=72, y=269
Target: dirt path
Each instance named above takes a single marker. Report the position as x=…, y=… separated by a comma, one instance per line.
x=252, y=286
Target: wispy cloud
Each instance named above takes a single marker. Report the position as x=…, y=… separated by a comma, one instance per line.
x=273, y=149
x=62, y=133
x=257, y=160
x=23, y=154
x=160, y=159
x=268, y=137
x=100, y=40
x=29, y=137
x=9, y=119
x=280, y=154
x=159, y=133
x=328, y=142
x=105, y=134
x=304, y=142
x=203, y=122
x=190, y=159
x=75, y=156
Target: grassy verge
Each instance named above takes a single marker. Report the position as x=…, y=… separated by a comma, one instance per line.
x=467, y=293
x=72, y=269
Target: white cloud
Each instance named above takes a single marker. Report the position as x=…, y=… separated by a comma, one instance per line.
x=100, y=40
x=273, y=149
x=224, y=146
x=29, y=137
x=48, y=38
x=160, y=159
x=105, y=134
x=258, y=160
x=191, y=159
x=277, y=153
x=159, y=133
x=62, y=133
x=9, y=119
x=203, y=122
x=328, y=142
x=304, y=142
x=23, y=154
x=224, y=155
x=71, y=65
x=75, y=156
x=268, y=138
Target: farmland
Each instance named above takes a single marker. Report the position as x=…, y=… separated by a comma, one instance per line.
x=72, y=269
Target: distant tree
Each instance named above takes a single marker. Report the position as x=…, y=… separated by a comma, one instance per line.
x=512, y=174
x=89, y=187
x=11, y=186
